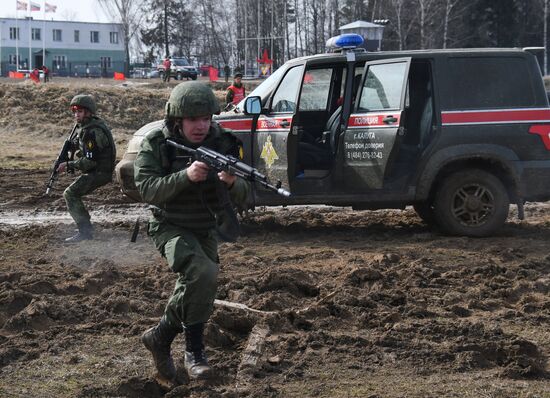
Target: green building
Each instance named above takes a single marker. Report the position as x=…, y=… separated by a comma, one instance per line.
x=67, y=48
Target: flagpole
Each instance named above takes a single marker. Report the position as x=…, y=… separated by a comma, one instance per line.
x=17, y=37
x=44, y=35
x=30, y=44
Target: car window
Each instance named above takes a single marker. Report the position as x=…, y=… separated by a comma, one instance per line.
x=316, y=89
x=382, y=87
x=284, y=99
x=265, y=88
x=489, y=82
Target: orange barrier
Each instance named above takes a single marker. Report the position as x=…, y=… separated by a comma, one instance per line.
x=16, y=75
x=119, y=76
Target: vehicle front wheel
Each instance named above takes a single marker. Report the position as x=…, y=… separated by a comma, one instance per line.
x=472, y=203
x=179, y=76
x=194, y=77
x=161, y=75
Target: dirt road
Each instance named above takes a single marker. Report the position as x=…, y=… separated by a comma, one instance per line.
x=351, y=304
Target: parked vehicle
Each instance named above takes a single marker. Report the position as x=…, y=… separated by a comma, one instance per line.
x=180, y=69
x=458, y=134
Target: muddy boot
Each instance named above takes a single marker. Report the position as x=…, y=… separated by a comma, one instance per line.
x=158, y=340
x=196, y=363
x=85, y=232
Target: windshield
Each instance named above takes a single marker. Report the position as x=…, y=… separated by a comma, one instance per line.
x=265, y=88
x=180, y=62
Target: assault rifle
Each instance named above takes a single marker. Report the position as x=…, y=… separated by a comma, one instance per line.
x=63, y=156
x=231, y=165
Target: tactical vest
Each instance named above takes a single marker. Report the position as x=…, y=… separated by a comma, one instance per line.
x=238, y=93
x=195, y=207
x=106, y=158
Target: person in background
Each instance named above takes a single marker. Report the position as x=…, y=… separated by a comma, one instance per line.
x=235, y=92
x=167, y=64
x=97, y=156
x=46, y=72
x=226, y=71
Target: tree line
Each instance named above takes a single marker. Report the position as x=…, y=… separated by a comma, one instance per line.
x=235, y=32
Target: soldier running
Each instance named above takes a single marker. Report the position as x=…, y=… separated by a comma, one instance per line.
x=185, y=198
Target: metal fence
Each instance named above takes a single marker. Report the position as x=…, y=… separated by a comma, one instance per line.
x=75, y=69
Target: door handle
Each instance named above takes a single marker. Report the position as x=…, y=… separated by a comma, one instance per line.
x=389, y=119
x=284, y=123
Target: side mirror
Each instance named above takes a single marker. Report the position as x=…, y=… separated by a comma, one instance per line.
x=253, y=106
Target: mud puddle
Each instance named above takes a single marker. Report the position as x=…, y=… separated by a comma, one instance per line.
x=102, y=215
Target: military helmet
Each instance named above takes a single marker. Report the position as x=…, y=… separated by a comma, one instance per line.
x=83, y=101
x=191, y=99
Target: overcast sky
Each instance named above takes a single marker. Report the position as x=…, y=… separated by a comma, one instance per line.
x=67, y=10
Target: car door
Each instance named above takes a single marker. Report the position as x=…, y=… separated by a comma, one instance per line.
x=370, y=141
x=272, y=137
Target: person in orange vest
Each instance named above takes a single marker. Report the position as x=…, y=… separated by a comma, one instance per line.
x=235, y=92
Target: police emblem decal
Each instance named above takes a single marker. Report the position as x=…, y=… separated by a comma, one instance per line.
x=268, y=153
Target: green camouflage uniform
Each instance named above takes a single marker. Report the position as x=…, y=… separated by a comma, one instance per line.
x=97, y=153
x=183, y=225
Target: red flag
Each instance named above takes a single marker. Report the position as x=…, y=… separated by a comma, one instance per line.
x=21, y=5
x=50, y=7
x=35, y=76
x=213, y=74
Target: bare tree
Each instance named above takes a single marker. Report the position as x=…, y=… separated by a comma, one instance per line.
x=129, y=14
x=449, y=6
x=427, y=9
x=404, y=18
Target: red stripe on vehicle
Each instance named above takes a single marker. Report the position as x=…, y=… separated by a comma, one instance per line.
x=500, y=116
x=240, y=124
x=543, y=130
x=373, y=119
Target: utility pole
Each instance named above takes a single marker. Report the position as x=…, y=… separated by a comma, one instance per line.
x=545, y=39
x=166, y=49
x=258, y=31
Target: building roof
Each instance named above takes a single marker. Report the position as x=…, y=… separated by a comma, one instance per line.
x=360, y=24
x=48, y=21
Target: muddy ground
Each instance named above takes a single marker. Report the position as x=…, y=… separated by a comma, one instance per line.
x=351, y=304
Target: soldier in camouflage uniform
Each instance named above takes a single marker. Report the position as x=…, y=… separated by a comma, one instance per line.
x=184, y=200
x=97, y=155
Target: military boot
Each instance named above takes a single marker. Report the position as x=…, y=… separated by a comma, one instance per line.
x=85, y=232
x=158, y=340
x=196, y=362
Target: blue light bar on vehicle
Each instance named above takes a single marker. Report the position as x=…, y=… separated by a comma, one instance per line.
x=346, y=41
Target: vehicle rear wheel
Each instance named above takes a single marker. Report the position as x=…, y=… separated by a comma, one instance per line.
x=426, y=211
x=472, y=203
x=194, y=77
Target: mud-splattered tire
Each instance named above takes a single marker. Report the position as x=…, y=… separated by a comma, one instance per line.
x=472, y=203
x=426, y=211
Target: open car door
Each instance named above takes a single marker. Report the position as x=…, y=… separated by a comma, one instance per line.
x=369, y=144
x=273, y=146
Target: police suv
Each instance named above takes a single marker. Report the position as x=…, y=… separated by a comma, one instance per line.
x=458, y=134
